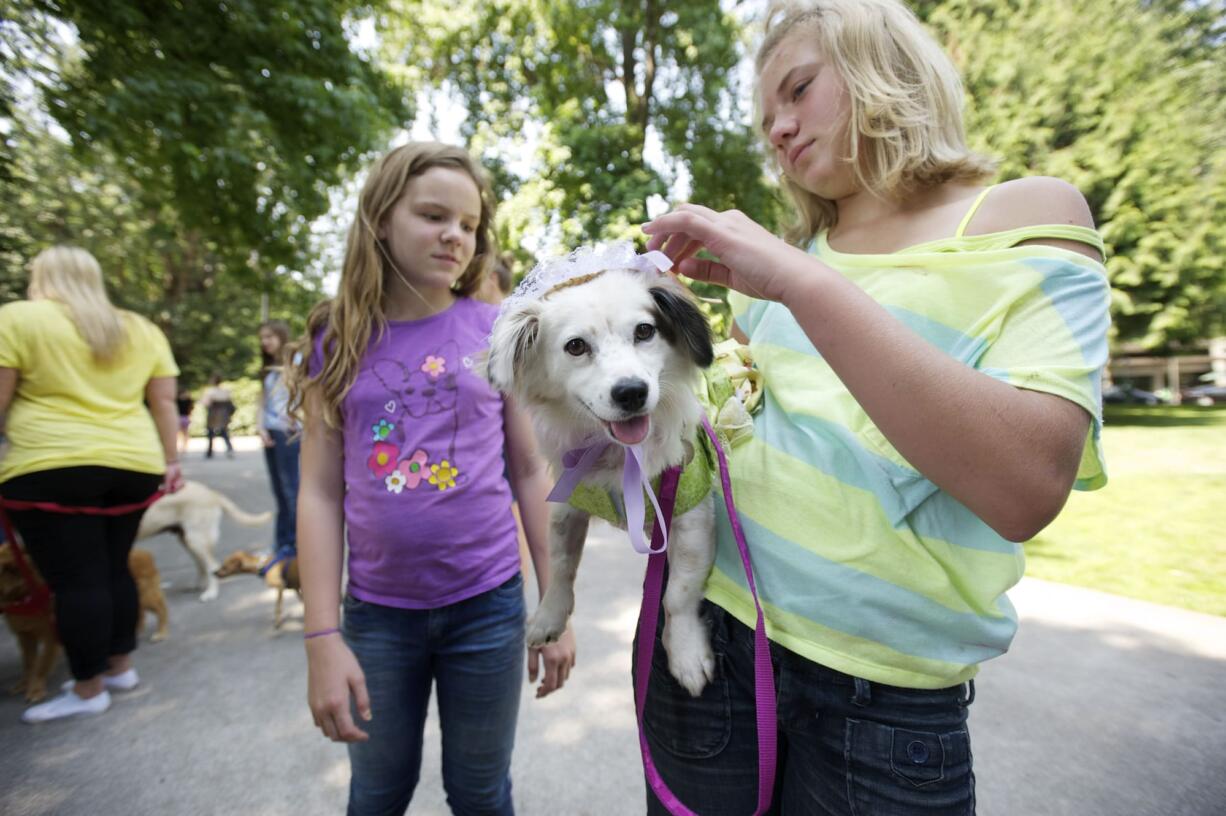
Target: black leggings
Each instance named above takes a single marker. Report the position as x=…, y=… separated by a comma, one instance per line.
x=84, y=558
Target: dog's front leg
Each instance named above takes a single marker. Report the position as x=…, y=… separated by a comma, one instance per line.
x=567, y=532
x=691, y=552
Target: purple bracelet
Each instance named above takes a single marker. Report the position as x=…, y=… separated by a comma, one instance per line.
x=320, y=633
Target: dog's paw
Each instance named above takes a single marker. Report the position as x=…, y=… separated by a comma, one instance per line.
x=209, y=594
x=544, y=627
x=690, y=659
x=158, y=637
x=36, y=694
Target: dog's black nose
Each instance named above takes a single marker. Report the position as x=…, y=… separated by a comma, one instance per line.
x=629, y=394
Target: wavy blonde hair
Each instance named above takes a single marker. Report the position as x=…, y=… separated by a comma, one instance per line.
x=348, y=321
x=905, y=128
x=71, y=276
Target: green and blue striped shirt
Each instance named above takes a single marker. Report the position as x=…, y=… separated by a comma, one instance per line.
x=863, y=564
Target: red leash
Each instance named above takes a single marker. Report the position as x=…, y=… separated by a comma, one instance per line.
x=39, y=598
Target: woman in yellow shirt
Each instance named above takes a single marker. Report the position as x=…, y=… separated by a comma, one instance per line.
x=75, y=376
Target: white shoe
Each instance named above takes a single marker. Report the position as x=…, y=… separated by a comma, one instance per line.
x=67, y=704
x=124, y=681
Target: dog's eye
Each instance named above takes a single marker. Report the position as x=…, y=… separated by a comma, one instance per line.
x=643, y=332
x=576, y=347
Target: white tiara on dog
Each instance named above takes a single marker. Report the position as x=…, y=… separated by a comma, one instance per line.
x=583, y=262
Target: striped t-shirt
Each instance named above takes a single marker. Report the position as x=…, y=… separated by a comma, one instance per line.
x=862, y=563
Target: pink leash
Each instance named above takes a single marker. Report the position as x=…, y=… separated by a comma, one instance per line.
x=764, y=680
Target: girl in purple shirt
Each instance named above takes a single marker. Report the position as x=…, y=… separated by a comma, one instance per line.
x=402, y=459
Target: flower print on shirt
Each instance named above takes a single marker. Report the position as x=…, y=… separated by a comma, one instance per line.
x=383, y=460
x=394, y=481
x=413, y=469
x=419, y=388
x=434, y=366
x=443, y=475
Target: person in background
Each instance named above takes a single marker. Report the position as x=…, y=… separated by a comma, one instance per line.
x=76, y=375
x=218, y=409
x=279, y=433
x=499, y=282
x=931, y=347
x=402, y=460
x=184, y=403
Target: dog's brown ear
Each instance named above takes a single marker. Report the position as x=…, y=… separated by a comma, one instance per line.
x=512, y=341
x=681, y=321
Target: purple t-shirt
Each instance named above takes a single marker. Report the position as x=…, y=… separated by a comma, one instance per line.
x=427, y=505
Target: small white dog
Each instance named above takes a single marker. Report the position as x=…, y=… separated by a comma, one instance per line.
x=607, y=348
x=194, y=515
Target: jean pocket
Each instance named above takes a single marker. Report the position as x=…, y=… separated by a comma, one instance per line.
x=685, y=726
x=903, y=771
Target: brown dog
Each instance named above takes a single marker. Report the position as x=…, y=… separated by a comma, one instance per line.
x=281, y=576
x=35, y=632
x=149, y=588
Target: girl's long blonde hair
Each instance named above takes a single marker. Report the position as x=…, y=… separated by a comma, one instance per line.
x=347, y=322
x=905, y=129
x=72, y=276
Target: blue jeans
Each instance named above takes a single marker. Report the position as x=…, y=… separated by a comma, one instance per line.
x=473, y=651
x=847, y=747
x=282, y=461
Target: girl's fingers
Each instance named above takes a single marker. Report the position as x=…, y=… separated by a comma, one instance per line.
x=701, y=269
x=361, y=697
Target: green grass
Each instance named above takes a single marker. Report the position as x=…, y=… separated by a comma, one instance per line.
x=1157, y=531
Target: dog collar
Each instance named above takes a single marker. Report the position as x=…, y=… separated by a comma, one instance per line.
x=577, y=462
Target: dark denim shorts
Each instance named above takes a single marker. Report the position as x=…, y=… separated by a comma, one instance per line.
x=847, y=747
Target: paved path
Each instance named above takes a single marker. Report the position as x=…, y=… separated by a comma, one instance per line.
x=1105, y=707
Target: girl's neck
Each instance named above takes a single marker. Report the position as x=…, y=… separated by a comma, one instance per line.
x=402, y=303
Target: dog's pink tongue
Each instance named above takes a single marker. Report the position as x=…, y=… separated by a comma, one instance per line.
x=631, y=431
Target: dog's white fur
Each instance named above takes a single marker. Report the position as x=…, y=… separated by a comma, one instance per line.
x=571, y=398
x=194, y=515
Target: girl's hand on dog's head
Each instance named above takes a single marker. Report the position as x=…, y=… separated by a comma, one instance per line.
x=748, y=258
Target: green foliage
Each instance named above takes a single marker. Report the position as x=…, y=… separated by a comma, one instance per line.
x=242, y=114
x=590, y=82
x=198, y=142
x=1127, y=101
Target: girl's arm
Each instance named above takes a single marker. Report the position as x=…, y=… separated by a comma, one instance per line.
x=160, y=396
x=332, y=670
x=530, y=483
x=1008, y=454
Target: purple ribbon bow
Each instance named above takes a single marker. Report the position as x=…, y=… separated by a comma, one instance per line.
x=577, y=462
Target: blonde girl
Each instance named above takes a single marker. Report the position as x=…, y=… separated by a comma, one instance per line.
x=932, y=349
x=402, y=459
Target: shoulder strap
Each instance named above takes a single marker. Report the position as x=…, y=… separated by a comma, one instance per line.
x=966, y=219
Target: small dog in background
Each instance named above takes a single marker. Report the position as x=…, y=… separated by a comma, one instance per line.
x=194, y=515
x=280, y=576
x=603, y=349
x=34, y=630
x=149, y=588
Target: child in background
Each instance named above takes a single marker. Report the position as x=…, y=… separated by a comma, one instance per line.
x=402, y=450
x=278, y=433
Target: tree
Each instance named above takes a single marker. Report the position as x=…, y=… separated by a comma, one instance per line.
x=593, y=83
x=1127, y=101
x=239, y=114
x=151, y=262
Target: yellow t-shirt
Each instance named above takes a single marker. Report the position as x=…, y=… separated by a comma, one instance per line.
x=70, y=411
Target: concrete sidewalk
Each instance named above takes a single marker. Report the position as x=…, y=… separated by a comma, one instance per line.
x=1106, y=706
